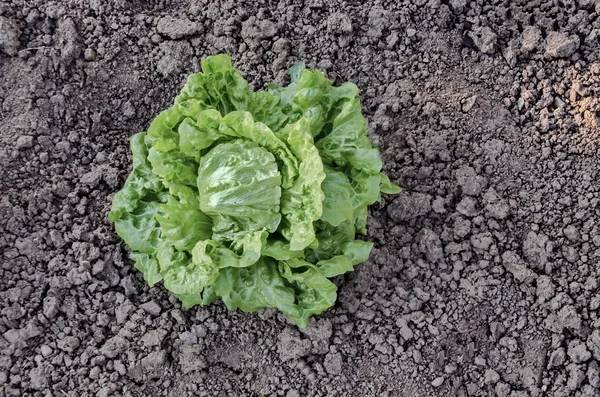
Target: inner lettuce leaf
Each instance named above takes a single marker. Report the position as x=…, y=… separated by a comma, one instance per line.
x=255, y=198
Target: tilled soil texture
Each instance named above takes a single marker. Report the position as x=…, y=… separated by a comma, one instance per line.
x=484, y=280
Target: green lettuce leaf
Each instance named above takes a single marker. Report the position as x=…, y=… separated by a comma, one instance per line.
x=148, y=265
x=219, y=87
x=302, y=203
x=255, y=287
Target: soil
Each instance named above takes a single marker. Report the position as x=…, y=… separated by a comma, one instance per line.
x=484, y=280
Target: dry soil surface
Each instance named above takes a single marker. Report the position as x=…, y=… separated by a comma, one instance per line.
x=485, y=276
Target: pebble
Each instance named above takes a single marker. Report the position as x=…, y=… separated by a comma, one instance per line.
x=151, y=308
x=491, y=377
x=437, y=382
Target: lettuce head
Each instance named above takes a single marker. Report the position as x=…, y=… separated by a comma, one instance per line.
x=255, y=198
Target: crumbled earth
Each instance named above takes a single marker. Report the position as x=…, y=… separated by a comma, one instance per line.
x=484, y=280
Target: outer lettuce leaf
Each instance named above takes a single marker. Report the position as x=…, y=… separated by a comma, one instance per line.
x=340, y=198
x=314, y=292
x=183, y=225
x=211, y=253
x=148, y=265
x=139, y=229
x=134, y=207
x=182, y=275
x=387, y=186
x=265, y=108
x=280, y=249
x=173, y=167
x=196, y=136
x=140, y=182
x=338, y=251
x=347, y=143
x=255, y=287
x=353, y=253
x=219, y=87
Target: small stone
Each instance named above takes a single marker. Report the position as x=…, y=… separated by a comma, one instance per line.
x=68, y=344
x=469, y=181
x=576, y=376
x=255, y=29
x=89, y=54
x=570, y=254
x=175, y=56
x=502, y=389
x=532, y=37
x=571, y=233
x=151, y=308
x=438, y=205
x=569, y=318
x=561, y=45
x=114, y=346
x=13, y=336
x=528, y=376
x=482, y=241
x=593, y=374
x=404, y=330
x=189, y=337
x=491, y=377
x=128, y=110
x=37, y=379
x=480, y=361
x=292, y=347
x=534, y=249
x=430, y=245
x=495, y=206
x=339, y=23
x=593, y=343
x=129, y=285
x=450, y=368
x=578, y=352
x=437, y=382
x=467, y=207
x=69, y=40
x=154, y=360
x=177, y=28
x=517, y=267
x=122, y=311
x=467, y=105
x=91, y=178
x=190, y=358
x=485, y=39
x=154, y=337
x=333, y=363
x=24, y=142
x=95, y=372
x=557, y=358
x=45, y=350
x=458, y=5
x=50, y=306
x=545, y=288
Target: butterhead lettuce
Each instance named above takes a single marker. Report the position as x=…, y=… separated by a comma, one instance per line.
x=252, y=197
